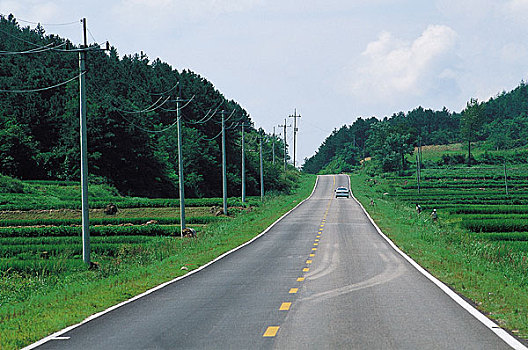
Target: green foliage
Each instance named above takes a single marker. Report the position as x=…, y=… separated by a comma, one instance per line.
x=39, y=132
x=54, y=231
x=10, y=185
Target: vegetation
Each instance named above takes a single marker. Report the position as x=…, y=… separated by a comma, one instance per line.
x=479, y=244
x=129, y=105
x=44, y=278
x=500, y=124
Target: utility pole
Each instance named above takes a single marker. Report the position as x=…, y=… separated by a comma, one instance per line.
x=181, y=182
x=285, y=144
x=273, y=146
x=84, y=150
x=224, y=170
x=261, y=171
x=418, y=172
x=243, y=168
x=505, y=178
x=295, y=129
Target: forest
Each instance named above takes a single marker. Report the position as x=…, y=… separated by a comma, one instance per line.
x=131, y=104
x=501, y=122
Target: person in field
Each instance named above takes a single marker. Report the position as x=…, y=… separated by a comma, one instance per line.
x=434, y=215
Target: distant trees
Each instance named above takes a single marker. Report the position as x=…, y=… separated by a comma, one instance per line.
x=470, y=123
x=39, y=131
x=502, y=122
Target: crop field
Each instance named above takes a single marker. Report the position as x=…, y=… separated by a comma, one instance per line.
x=40, y=225
x=480, y=199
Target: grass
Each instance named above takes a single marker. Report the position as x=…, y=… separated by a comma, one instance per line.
x=35, y=306
x=490, y=272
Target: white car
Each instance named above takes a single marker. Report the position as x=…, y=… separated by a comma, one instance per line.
x=342, y=192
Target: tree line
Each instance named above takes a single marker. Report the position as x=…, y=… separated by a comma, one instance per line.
x=502, y=122
x=130, y=145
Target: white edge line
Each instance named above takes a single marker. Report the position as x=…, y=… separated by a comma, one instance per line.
x=99, y=314
x=492, y=326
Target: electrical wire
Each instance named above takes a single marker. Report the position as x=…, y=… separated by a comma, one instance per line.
x=164, y=92
x=147, y=130
x=44, y=24
x=211, y=139
x=46, y=88
x=95, y=41
x=93, y=48
x=150, y=108
x=179, y=108
x=35, y=50
x=208, y=116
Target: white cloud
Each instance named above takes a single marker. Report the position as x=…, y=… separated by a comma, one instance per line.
x=391, y=69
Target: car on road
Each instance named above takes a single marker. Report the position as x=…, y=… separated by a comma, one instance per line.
x=342, y=192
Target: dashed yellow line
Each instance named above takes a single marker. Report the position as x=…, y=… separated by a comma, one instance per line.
x=271, y=331
x=293, y=290
x=306, y=269
x=314, y=249
x=285, y=306
x=316, y=244
x=300, y=279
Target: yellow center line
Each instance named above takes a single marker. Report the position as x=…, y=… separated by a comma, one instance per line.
x=293, y=290
x=312, y=255
x=306, y=269
x=271, y=331
x=308, y=261
x=316, y=244
x=314, y=248
x=285, y=306
x=300, y=279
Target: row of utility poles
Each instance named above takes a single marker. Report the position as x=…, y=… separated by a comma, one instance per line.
x=84, y=155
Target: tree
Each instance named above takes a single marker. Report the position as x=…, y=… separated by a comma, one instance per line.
x=470, y=123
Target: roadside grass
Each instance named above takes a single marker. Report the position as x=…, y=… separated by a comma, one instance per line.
x=491, y=274
x=49, y=302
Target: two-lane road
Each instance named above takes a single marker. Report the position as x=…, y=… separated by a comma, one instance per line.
x=321, y=278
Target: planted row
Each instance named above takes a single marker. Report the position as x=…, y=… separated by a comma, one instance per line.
x=15, y=202
x=503, y=236
x=147, y=230
x=496, y=225
x=42, y=266
x=73, y=240
x=112, y=221
x=489, y=209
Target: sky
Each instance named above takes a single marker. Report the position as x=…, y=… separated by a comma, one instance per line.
x=332, y=61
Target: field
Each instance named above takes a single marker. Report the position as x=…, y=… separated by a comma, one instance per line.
x=43, y=278
x=479, y=245
x=40, y=227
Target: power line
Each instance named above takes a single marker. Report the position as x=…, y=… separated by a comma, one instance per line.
x=164, y=92
x=35, y=50
x=147, y=130
x=178, y=108
x=150, y=108
x=44, y=24
x=46, y=88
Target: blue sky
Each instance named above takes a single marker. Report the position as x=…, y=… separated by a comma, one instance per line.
x=333, y=60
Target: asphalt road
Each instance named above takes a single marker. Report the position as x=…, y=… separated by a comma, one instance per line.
x=321, y=278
